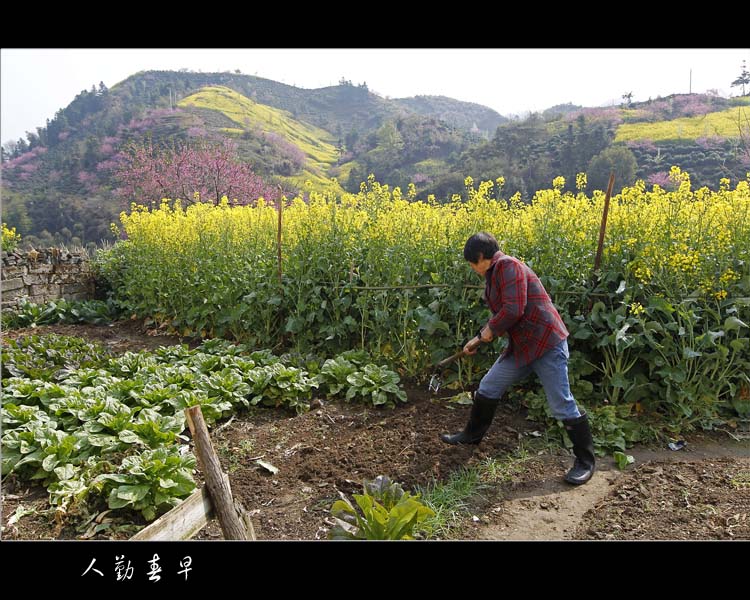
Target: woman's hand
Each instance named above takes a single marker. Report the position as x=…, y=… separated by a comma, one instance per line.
x=471, y=346
x=485, y=336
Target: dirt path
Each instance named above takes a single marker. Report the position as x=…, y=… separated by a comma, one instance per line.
x=551, y=511
x=548, y=509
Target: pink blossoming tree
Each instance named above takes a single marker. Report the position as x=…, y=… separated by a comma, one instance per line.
x=197, y=171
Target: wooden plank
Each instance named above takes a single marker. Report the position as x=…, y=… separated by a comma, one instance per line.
x=186, y=519
x=183, y=521
x=232, y=524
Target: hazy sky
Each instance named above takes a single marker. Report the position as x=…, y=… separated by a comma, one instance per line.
x=37, y=83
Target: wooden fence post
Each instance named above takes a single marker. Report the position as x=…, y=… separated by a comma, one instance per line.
x=230, y=518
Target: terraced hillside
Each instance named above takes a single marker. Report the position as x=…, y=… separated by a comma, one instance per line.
x=316, y=145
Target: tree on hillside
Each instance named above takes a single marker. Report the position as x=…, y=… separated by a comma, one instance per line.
x=616, y=158
x=743, y=79
x=351, y=139
x=196, y=172
x=9, y=150
x=390, y=138
x=15, y=212
x=567, y=160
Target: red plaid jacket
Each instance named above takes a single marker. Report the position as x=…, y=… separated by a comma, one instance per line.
x=521, y=308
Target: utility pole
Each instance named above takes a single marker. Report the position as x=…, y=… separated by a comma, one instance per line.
x=690, y=88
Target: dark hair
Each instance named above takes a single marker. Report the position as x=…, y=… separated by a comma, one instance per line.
x=480, y=243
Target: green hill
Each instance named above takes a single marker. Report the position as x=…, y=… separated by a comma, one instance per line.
x=725, y=123
x=469, y=116
x=697, y=132
x=316, y=144
x=58, y=184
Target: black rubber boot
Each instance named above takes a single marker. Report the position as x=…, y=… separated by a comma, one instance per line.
x=482, y=413
x=579, y=433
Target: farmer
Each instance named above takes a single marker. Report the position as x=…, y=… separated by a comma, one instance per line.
x=537, y=336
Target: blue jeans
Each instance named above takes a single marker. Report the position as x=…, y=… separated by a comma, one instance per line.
x=552, y=369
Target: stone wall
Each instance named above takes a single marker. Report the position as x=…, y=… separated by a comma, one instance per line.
x=42, y=275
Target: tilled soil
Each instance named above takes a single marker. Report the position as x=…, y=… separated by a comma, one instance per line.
x=334, y=448
x=703, y=500
x=118, y=337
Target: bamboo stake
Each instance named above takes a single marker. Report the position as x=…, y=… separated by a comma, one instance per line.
x=603, y=227
x=278, y=235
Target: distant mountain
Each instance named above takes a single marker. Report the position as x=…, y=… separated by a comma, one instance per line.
x=706, y=136
x=463, y=115
x=560, y=109
x=58, y=183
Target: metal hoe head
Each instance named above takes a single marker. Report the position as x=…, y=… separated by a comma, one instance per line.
x=435, y=383
x=436, y=380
